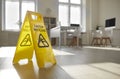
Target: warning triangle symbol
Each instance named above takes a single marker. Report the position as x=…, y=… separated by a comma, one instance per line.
x=26, y=41
x=42, y=42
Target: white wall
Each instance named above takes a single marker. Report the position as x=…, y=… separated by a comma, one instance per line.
x=109, y=9
x=95, y=13
x=0, y=14
x=44, y=5
x=92, y=16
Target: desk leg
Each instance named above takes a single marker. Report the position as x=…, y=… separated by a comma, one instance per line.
x=65, y=38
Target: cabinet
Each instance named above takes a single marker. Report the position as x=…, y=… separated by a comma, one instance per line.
x=116, y=37
x=50, y=22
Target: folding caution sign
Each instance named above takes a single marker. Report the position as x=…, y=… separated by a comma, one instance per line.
x=25, y=46
x=33, y=36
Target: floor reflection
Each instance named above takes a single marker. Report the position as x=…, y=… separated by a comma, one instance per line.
x=25, y=71
x=55, y=72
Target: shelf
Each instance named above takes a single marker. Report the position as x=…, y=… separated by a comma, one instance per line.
x=50, y=22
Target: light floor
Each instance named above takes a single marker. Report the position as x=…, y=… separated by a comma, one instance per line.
x=72, y=63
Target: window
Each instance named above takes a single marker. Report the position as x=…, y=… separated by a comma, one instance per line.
x=75, y=1
x=70, y=12
x=63, y=1
x=75, y=14
x=14, y=12
x=11, y=15
x=27, y=6
x=63, y=14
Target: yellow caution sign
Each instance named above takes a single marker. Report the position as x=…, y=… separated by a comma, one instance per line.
x=42, y=42
x=33, y=36
x=26, y=41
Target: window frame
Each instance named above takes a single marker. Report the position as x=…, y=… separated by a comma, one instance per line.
x=67, y=12
x=82, y=7
x=20, y=14
x=69, y=5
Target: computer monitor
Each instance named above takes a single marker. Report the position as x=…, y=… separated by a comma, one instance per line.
x=110, y=22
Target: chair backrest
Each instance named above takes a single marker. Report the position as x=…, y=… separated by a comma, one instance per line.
x=97, y=33
x=77, y=32
x=107, y=33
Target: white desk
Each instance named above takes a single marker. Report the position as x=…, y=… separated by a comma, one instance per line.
x=65, y=30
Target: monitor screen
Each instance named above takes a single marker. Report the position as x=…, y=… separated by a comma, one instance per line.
x=110, y=22
x=75, y=25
